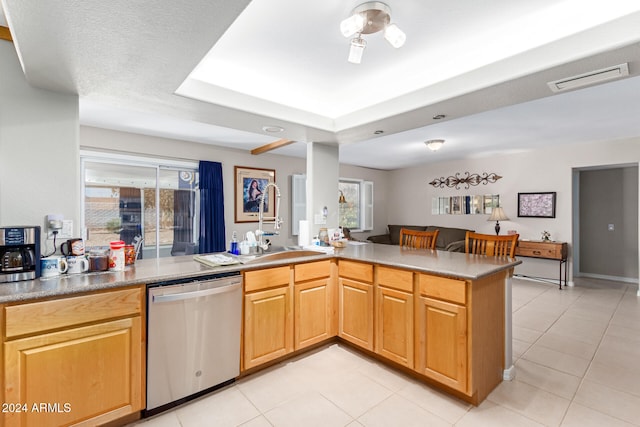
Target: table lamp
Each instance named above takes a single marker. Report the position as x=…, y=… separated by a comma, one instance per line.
x=498, y=215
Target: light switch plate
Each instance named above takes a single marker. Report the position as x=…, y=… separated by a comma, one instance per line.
x=611, y=227
x=319, y=219
x=67, y=229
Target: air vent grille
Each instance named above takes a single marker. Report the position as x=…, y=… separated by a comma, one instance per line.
x=590, y=78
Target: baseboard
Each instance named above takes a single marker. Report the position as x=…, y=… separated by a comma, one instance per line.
x=632, y=280
x=509, y=373
x=540, y=279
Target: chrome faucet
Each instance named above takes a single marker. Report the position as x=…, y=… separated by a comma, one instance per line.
x=275, y=220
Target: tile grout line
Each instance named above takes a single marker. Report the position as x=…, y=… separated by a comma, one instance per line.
x=582, y=379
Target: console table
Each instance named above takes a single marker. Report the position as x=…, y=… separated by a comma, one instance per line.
x=546, y=250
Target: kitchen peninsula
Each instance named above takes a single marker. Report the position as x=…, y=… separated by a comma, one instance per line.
x=442, y=317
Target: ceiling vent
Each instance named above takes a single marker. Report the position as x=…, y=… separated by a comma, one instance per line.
x=590, y=78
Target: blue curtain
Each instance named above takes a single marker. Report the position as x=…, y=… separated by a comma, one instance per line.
x=212, y=236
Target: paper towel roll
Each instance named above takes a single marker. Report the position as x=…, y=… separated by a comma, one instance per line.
x=303, y=233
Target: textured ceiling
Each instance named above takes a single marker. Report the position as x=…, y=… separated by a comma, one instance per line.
x=283, y=62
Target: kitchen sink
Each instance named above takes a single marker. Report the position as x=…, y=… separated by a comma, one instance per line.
x=280, y=255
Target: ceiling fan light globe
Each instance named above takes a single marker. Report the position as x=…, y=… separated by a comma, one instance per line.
x=395, y=36
x=352, y=25
x=356, y=50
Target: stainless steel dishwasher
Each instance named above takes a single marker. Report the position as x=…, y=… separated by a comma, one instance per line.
x=193, y=338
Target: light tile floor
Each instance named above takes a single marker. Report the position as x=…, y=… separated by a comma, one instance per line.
x=577, y=356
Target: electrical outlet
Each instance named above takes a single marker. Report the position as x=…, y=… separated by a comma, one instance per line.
x=611, y=227
x=66, y=232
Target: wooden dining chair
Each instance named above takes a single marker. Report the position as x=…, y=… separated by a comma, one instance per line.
x=488, y=244
x=418, y=239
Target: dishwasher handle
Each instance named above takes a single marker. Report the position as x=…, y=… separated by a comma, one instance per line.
x=157, y=299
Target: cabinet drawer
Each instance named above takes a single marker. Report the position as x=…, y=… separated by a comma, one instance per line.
x=443, y=288
x=356, y=270
x=267, y=278
x=396, y=279
x=312, y=270
x=53, y=314
x=542, y=250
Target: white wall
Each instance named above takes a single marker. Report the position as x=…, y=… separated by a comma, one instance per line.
x=39, y=155
x=123, y=142
x=409, y=195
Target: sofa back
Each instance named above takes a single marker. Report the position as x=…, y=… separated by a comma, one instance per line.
x=448, y=235
x=394, y=231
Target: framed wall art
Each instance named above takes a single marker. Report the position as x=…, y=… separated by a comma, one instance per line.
x=249, y=189
x=537, y=205
x=467, y=205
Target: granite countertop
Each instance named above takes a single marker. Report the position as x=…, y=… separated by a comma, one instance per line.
x=149, y=271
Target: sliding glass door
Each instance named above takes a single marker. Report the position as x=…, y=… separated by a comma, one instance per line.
x=159, y=203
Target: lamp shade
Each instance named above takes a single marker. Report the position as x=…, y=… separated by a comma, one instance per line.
x=498, y=215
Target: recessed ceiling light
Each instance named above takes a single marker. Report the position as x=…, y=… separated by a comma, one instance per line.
x=378, y=132
x=439, y=117
x=272, y=129
x=434, y=144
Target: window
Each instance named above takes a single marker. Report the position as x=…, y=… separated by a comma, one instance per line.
x=124, y=197
x=357, y=212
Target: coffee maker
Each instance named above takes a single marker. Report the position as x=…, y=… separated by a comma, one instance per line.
x=19, y=253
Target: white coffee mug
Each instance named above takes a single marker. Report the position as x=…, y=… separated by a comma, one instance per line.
x=77, y=264
x=52, y=266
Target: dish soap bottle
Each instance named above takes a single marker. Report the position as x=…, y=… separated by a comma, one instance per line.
x=235, y=250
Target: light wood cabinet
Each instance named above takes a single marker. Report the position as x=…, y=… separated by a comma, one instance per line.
x=394, y=338
x=442, y=342
x=313, y=303
x=542, y=249
x=441, y=338
x=70, y=362
x=355, y=306
x=268, y=317
x=448, y=330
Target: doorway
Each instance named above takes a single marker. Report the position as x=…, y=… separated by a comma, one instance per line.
x=605, y=226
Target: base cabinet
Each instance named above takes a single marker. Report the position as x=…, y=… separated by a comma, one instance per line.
x=268, y=319
x=394, y=318
x=313, y=296
x=312, y=313
x=84, y=374
x=356, y=313
x=441, y=342
x=421, y=321
x=70, y=376
x=355, y=303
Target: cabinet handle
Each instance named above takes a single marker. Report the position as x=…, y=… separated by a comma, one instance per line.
x=195, y=294
x=537, y=253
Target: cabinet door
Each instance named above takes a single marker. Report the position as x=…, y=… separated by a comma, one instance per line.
x=91, y=374
x=268, y=326
x=394, y=325
x=355, y=322
x=312, y=308
x=442, y=342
